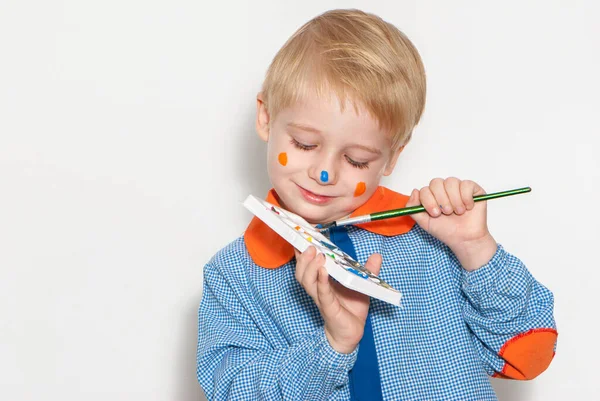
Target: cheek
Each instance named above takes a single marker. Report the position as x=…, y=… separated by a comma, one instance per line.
x=360, y=189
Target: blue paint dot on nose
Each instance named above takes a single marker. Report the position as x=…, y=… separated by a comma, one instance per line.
x=324, y=176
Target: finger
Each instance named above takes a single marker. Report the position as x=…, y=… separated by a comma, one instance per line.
x=441, y=197
x=374, y=263
x=302, y=262
x=328, y=302
x=309, y=280
x=452, y=186
x=414, y=200
x=429, y=202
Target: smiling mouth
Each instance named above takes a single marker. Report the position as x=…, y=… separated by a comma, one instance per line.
x=313, y=197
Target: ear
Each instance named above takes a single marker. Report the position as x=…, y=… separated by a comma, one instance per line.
x=392, y=163
x=262, y=118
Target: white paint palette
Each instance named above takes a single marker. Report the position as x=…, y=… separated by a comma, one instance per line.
x=301, y=234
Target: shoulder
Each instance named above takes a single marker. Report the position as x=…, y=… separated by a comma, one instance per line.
x=233, y=253
x=227, y=285
x=232, y=261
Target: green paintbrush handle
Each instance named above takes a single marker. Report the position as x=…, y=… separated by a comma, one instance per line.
x=417, y=209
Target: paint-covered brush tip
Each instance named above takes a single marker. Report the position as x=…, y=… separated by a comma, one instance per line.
x=325, y=227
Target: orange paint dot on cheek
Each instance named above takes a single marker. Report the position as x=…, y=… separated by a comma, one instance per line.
x=282, y=158
x=361, y=187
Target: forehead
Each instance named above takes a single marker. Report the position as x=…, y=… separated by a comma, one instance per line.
x=328, y=116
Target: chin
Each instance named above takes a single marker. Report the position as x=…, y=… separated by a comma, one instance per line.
x=315, y=214
x=311, y=213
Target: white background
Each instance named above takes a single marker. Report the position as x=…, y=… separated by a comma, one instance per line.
x=127, y=144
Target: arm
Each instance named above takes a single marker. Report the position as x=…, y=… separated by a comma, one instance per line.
x=507, y=310
x=511, y=317
x=236, y=360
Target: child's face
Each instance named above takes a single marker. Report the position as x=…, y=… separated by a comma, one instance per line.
x=322, y=162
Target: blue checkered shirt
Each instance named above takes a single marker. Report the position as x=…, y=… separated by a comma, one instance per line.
x=261, y=336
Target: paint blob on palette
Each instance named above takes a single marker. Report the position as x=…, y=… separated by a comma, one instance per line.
x=341, y=266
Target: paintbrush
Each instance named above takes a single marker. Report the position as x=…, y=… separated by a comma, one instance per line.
x=388, y=214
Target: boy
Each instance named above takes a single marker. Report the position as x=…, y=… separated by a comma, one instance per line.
x=338, y=104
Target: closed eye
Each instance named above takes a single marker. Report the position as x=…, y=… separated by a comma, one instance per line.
x=306, y=148
x=302, y=146
x=356, y=164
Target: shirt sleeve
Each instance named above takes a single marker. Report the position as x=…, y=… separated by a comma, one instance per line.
x=511, y=317
x=236, y=360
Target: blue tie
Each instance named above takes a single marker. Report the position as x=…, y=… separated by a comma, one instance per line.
x=365, y=384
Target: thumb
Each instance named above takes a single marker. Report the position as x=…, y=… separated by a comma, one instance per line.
x=374, y=263
x=414, y=200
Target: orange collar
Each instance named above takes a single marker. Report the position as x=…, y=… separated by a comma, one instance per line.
x=271, y=251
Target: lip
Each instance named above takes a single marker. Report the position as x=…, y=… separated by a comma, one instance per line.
x=314, y=198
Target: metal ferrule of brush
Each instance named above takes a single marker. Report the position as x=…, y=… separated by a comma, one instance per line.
x=353, y=220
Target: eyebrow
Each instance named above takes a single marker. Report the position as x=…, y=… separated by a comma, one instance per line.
x=316, y=131
x=368, y=149
x=304, y=127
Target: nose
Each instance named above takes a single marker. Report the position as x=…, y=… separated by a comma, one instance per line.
x=324, y=171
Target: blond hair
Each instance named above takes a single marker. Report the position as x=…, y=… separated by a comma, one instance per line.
x=360, y=58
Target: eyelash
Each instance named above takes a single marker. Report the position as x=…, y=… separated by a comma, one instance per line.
x=357, y=164
x=302, y=146
x=307, y=148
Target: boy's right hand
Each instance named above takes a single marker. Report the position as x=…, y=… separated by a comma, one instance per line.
x=344, y=310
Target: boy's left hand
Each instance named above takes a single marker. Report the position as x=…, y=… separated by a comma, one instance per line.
x=460, y=223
